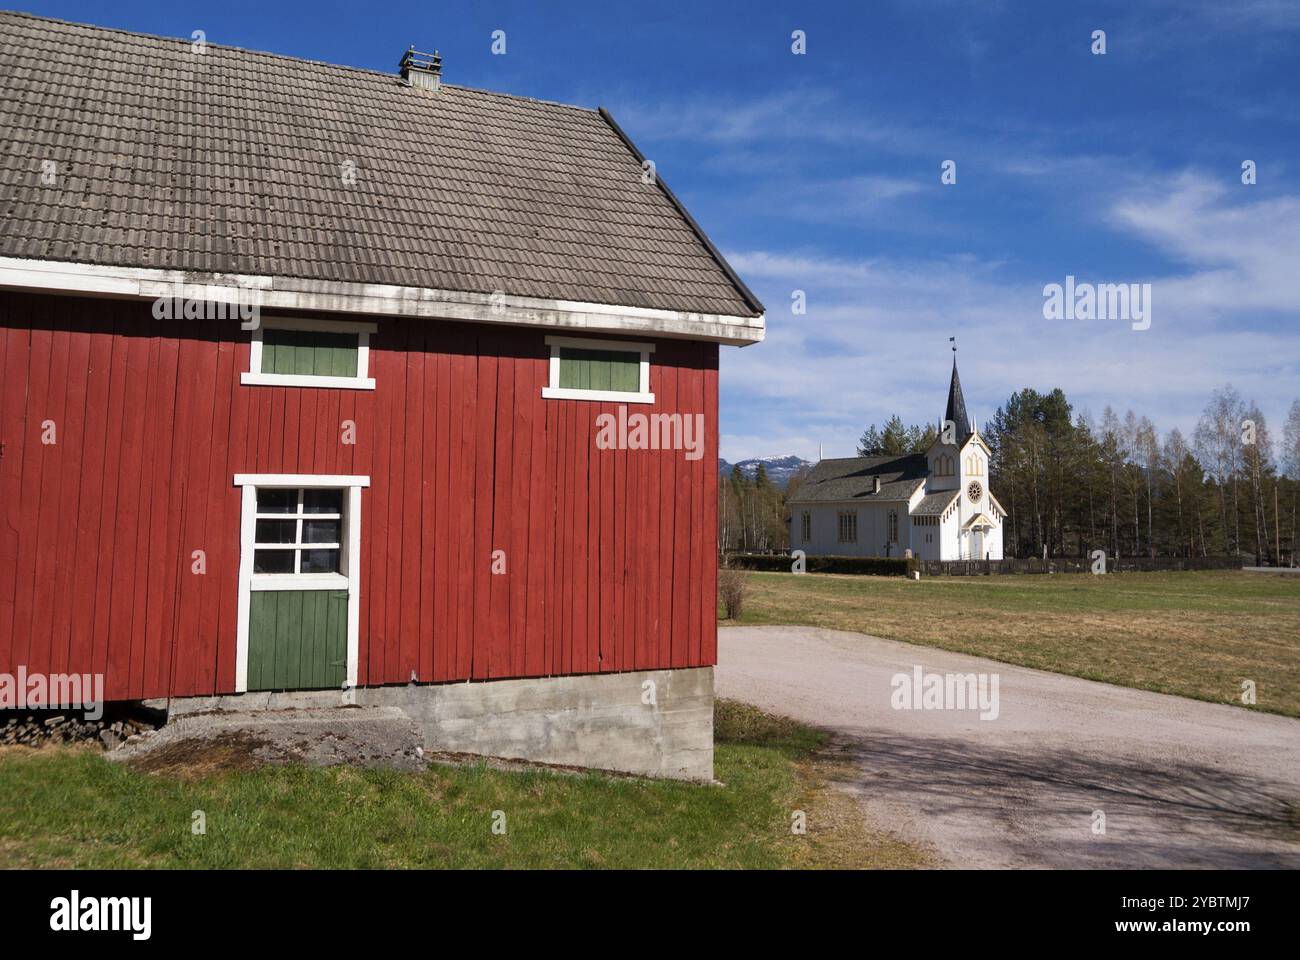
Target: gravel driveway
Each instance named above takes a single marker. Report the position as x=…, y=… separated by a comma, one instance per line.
x=1180, y=783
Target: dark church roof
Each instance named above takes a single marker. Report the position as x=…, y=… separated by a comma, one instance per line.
x=934, y=504
x=851, y=478
x=956, y=411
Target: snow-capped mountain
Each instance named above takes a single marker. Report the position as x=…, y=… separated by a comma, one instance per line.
x=779, y=469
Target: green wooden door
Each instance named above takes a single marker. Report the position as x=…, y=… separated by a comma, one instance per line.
x=297, y=639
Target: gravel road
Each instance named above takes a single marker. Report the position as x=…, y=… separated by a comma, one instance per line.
x=1180, y=783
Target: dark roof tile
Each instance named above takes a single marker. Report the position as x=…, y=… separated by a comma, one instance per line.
x=852, y=478
x=233, y=161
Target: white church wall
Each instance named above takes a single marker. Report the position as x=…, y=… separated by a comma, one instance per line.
x=873, y=525
x=942, y=455
x=927, y=541
x=949, y=545
x=993, y=543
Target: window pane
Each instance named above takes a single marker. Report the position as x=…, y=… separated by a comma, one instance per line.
x=273, y=561
x=322, y=501
x=277, y=501
x=275, y=531
x=321, y=531
x=600, y=369
x=320, y=561
x=309, y=352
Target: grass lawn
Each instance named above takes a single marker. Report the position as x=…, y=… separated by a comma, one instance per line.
x=69, y=807
x=1193, y=634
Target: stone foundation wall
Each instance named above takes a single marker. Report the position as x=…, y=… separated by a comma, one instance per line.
x=656, y=723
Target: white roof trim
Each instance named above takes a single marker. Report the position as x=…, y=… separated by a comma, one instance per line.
x=299, y=480
x=290, y=293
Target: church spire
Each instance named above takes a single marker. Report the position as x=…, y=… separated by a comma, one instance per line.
x=956, y=411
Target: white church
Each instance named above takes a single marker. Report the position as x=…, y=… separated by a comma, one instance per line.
x=936, y=504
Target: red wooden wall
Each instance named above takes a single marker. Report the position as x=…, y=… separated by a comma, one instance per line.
x=610, y=553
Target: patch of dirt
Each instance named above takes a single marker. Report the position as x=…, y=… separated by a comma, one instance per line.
x=839, y=836
x=196, y=758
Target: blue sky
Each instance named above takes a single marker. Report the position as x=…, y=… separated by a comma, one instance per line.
x=821, y=172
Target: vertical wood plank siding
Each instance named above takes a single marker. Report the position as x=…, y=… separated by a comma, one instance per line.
x=609, y=553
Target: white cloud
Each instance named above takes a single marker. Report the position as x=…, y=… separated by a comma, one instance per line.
x=873, y=342
x=1244, y=252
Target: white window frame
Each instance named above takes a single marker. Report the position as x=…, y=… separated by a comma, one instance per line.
x=349, y=559
x=553, y=390
x=254, y=376
x=806, y=526
x=297, y=580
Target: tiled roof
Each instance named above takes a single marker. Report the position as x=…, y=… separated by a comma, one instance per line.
x=934, y=504
x=232, y=161
x=851, y=479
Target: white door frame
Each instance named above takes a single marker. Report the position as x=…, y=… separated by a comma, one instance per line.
x=351, y=560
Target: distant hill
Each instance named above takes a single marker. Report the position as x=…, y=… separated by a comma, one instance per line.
x=779, y=469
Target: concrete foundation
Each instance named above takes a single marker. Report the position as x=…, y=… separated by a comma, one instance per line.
x=656, y=723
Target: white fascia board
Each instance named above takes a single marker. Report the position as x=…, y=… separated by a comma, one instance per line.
x=327, y=296
x=299, y=480
x=305, y=380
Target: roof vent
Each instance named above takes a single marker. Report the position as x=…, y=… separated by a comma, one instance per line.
x=421, y=69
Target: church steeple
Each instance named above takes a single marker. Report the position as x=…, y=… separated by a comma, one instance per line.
x=956, y=411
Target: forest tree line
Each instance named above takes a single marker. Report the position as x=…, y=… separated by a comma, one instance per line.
x=1071, y=484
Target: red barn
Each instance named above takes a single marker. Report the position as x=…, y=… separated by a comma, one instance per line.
x=317, y=377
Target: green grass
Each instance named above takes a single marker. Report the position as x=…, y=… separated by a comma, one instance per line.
x=1192, y=634
x=64, y=807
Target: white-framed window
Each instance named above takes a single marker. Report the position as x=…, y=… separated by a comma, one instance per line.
x=848, y=526
x=298, y=352
x=299, y=532
x=893, y=526
x=590, y=369
x=806, y=526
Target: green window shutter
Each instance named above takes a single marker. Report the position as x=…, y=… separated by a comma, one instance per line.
x=309, y=352
x=618, y=370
